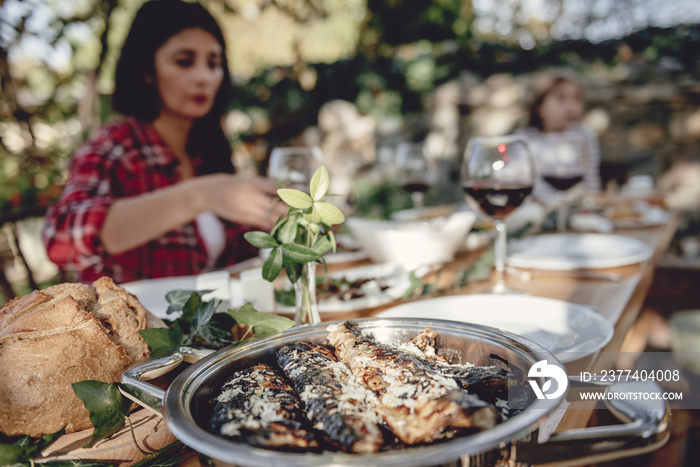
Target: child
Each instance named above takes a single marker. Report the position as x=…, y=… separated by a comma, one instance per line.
x=557, y=108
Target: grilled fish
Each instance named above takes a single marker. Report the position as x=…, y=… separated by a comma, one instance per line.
x=416, y=402
x=335, y=404
x=487, y=382
x=257, y=406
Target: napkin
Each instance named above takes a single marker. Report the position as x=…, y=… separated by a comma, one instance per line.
x=251, y=287
x=217, y=282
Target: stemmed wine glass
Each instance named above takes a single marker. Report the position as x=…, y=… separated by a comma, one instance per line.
x=294, y=166
x=416, y=171
x=497, y=175
x=559, y=165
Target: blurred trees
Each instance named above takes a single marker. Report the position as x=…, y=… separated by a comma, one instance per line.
x=289, y=57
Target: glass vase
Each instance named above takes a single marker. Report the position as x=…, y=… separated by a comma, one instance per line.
x=305, y=296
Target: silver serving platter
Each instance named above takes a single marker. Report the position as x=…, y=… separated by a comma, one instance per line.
x=187, y=404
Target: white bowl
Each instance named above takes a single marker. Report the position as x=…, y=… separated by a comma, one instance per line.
x=412, y=243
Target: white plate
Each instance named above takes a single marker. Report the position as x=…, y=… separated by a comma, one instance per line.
x=151, y=292
x=348, y=250
x=576, y=251
x=650, y=216
x=396, y=277
x=570, y=331
x=345, y=256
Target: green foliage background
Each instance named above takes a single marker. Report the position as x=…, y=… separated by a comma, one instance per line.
x=288, y=58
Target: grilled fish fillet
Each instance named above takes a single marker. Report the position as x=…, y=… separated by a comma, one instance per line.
x=257, y=406
x=487, y=382
x=335, y=404
x=417, y=402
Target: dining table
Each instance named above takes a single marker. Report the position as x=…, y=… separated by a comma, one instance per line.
x=620, y=301
x=618, y=295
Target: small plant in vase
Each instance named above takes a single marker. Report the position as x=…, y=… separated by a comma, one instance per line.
x=299, y=240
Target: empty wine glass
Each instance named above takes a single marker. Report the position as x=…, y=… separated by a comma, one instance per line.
x=294, y=166
x=497, y=175
x=558, y=157
x=416, y=171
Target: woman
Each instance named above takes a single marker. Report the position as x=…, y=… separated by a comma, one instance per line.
x=556, y=109
x=154, y=194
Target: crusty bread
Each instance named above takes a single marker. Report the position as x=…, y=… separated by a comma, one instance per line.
x=54, y=346
x=119, y=312
x=64, y=334
x=84, y=294
x=18, y=306
x=123, y=315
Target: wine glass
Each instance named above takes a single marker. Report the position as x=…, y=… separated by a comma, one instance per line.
x=497, y=175
x=294, y=166
x=416, y=171
x=559, y=164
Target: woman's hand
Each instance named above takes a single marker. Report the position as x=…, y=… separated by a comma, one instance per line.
x=241, y=199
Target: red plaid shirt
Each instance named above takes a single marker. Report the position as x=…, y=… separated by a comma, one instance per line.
x=126, y=158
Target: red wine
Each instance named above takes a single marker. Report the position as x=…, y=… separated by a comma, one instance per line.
x=496, y=199
x=562, y=183
x=414, y=186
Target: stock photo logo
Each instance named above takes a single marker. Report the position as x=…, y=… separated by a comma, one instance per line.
x=542, y=369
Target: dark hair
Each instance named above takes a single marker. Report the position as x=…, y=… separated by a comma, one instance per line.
x=543, y=87
x=154, y=23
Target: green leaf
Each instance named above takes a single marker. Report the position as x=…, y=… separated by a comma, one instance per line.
x=163, y=338
x=25, y=448
x=481, y=268
x=262, y=331
x=285, y=297
x=313, y=217
x=217, y=331
x=329, y=213
x=295, y=198
x=214, y=329
x=280, y=221
x=108, y=408
x=260, y=239
x=314, y=228
x=177, y=299
x=190, y=306
x=203, y=314
x=334, y=244
x=414, y=284
x=322, y=246
x=260, y=322
x=319, y=183
x=272, y=265
x=288, y=231
x=293, y=269
x=298, y=253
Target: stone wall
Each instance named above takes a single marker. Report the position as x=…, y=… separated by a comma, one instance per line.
x=647, y=118
x=647, y=126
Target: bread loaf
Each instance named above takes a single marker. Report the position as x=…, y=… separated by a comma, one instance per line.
x=52, y=338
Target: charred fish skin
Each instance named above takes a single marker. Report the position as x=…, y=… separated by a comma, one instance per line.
x=416, y=402
x=258, y=407
x=503, y=388
x=487, y=382
x=335, y=404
